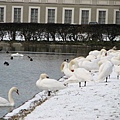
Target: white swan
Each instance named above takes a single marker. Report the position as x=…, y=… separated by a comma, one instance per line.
x=94, y=52
x=64, y=68
x=105, y=69
x=79, y=74
x=102, y=53
x=4, y=102
x=90, y=65
x=83, y=63
x=117, y=70
x=44, y=83
x=116, y=60
x=17, y=55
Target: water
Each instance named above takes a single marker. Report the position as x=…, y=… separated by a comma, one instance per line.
x=24, y=73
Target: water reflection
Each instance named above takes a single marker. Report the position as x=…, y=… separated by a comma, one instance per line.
x=24, y=73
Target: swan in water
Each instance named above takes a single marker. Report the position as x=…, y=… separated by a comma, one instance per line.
x=105, y=69
x=17, y=55
x=45, y=83
x=4, y=102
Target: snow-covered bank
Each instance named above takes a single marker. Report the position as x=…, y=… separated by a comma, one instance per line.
x=96, y=101
x=27, y=107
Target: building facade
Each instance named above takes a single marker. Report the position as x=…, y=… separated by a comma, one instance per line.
x=60, y=11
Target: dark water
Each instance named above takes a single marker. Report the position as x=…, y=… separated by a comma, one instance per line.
x=24, y=73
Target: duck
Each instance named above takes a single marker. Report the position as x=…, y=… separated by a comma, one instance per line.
x=10, y=101
x=6, y=63
x=45, y=83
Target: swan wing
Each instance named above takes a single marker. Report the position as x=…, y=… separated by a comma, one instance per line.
x=83, y=74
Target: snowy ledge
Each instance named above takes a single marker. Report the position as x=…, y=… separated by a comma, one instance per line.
x=27, y=107
x=96, y=101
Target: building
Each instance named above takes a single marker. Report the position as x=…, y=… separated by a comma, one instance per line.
x=60, y=11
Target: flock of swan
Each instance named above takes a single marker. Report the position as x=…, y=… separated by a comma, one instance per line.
x=82, y=69
x=78, y=70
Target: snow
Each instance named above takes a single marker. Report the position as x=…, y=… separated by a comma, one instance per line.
x=96, y=101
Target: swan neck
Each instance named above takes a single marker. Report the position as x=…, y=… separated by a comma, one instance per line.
x=10, y=97
x=75, y=63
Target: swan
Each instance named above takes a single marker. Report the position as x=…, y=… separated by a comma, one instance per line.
x=79, y=74
x=103, y=53
x=45, y=83
x=4, y=102
x=117, y=70
x=90, y=57
x=116, y=60
x=84, y=63
x=105, y=69
x=94, y=52
x=17, y=55
x=90, y=65
x=64, y=68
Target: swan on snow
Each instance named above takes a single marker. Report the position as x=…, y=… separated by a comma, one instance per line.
x=105, y=69
x=45, y=83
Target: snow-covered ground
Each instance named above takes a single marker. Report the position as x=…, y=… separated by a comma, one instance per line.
x=96, y=101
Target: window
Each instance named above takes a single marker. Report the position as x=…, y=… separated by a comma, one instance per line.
x=102, y=16
x=17, y=14
x=2, y=13
x=117, y=19
x=51, y=15
x=34, y=14
x=68, y=15
x=85, y=15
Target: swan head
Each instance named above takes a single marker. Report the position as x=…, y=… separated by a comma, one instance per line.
x=73, y=64
x=15, y=89
x=43, y=76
